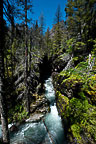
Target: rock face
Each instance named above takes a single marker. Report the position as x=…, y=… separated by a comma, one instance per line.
x=59, y=63
x=38, y=109
x=40, y=105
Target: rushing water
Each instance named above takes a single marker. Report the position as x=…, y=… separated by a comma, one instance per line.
x=49, y=131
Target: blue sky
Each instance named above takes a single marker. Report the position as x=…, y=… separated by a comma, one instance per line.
x=48, y=8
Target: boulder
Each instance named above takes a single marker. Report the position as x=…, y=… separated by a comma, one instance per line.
x=35, y=118
x=13, y=128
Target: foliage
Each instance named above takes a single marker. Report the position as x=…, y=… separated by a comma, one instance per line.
x=15, y=57
x=48, y=44
x=25, y=48
x=18, y=113
x=70, y=45
x=90, y=89
x=75, y=128
x=94, y=47
x=75, y=100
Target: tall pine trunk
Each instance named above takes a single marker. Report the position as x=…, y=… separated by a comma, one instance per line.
x=26, y=63
x=3, y=109
x=6, y=66
x=30, y=52
x=12, y=36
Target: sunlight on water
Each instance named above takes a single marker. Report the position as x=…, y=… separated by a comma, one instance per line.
x=49, y=90
x=53, y=120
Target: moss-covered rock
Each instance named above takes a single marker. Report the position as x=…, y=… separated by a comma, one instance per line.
x=90, y=88
x=76, y=99
x=62, y=102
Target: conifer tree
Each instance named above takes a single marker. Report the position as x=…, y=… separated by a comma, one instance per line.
x=24, y=7
x=41, y=39
x=48, y=43
x=81, y=22
x=57, y=30
x=3, y=108
x=36, y=30
x=41, y=21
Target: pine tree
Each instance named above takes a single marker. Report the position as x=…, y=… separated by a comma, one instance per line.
x=41, y=21
x=3, y=108
x=57, y=30
x=81, y=22
x=71, y=10
x=41, y=39
x=36, y=30
x=48, y=43
x=26, y=62
x=24, y=7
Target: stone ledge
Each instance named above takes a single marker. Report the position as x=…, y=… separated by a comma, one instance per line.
x=35, y=118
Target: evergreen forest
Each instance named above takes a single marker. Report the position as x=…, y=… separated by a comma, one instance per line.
x=29, y=55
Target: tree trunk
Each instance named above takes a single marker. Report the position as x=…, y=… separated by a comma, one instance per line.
x=3, y=109
x=12, y=36
x=30, y=53
x=26, y=63
x=6, y=66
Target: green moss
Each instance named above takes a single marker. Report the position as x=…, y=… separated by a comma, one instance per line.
x=82, y=95
x=81, y=116
x=89, y=126
x=78, y=109
x=62, y=102
x=76, y=130
x=72, y=81
x=66, y=73
x=90, y=89
x=62, y=97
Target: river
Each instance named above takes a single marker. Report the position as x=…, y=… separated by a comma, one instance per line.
x=47, y=131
